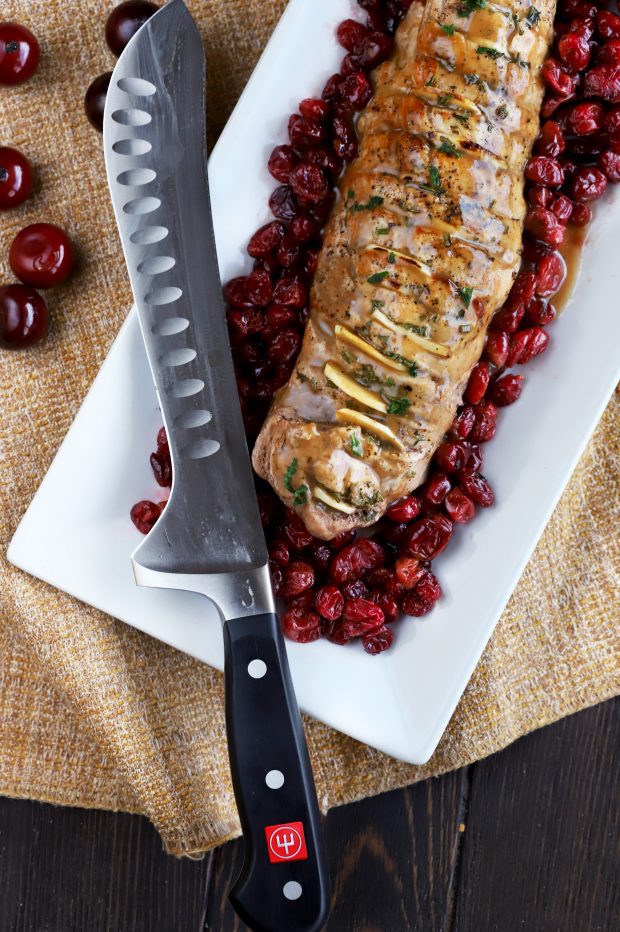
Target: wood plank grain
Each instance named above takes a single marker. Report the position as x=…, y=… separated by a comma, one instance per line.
x=391, y=859
x=72, y=870
x=541, y=846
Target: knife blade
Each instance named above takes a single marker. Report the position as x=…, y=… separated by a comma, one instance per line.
x=209, y=538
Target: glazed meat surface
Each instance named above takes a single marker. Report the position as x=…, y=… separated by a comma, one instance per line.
x=420, y=251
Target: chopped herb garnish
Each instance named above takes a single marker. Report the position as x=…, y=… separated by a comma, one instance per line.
x=449, y=30
x=413, y=370
x=465, y=295
x=377, y=278
x=420, y=329
x=392, y=258
x=431, y=81
x=533, y=17
x=376, y=304
x=398, y=406
x=461, y=314
x=390, y=382
x=356, y=446
x=288, y=476
x=462, y=118
x=449, y=148
x=300, y=496
x=382, y=231
x=314, y=385
x=447, y=239
x=467, y=7
x=517, y=60
x=489, y=52
x=434, y=182
x=444, y=99
x=348, y=357
x=374, y=202
x=366, y=375
x=501, y=111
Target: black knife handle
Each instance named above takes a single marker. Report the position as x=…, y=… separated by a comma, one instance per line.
x=267, y=745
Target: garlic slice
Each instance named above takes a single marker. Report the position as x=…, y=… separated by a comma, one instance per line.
x=437, y=349
x=327, y=499
x=349, y=416
x=347, y=336
x=352, y=388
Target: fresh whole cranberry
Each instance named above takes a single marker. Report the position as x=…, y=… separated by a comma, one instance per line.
x=16, y=178
x=42, y=255
x=94, y=100
x=145, y=515
x=19, y=53
x=587, y=184
x=124, y=22
x=24, y=317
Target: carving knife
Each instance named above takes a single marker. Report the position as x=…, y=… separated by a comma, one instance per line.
x=209, y=538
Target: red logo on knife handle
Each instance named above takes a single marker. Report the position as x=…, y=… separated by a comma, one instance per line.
x=286, y=842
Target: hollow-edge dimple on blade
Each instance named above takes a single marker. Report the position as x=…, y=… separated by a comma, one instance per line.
x=155, y=148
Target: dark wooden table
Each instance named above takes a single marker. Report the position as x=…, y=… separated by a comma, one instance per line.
x=526, y=840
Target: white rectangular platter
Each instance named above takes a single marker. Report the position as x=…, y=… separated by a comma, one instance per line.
x=77, y=536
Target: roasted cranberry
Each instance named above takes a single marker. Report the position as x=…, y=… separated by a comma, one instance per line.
x=308, y=183
x=408, y=571
x=377, y=48
x=329, y=603
x=362, y=616
x=562, y=207
x=305, y=134
x=586, y=147
x=452, y=456
x=266, y=239
x=298, y=577
x=459, y=506
x=351, y=64
x=428, y=587
x=345, y=140
x=279, y=552
x=282, y=161
x=387, y=603
x=585, y=119
x=162, y=440
x=609, y=54
x=522, y=291
x=124, y=22
x=507, y=390
x=609, y=162
x=587, y=184
x=266, y=503
x=144, y=515
x=342, y=540
x=94, y=100
x=19, y=53
x=358, y=558
x=485, y=426
x=542, y=170
x=551, y=272
x=295, y=531
x=282, y=203
x=603, y=81
x=538, y=196
x=533, y=342
x=334, y=631
x=42, y=255
x=313, y=108
x=16, y=178
x=608, y=24
x=356, y=590
x=320, y=555
x=378, y=641
x=551, y=103
x=162, y=468
x=534, y=250
x=477, y=384
x=540, y=311
x=278, y=318
x=544, y=225
x=612, y=124
x=437, y=487
x=405, y=509
x=550, y=140
x=24, y=317
x=301, y=625
x=428, y=537
x=290, y=291
x=288, y=252
x=497, y=351
x=352, y=36
x=325, y=159
x=413, y=604
x=463, y=423
x=303, y=228
x=475, y=457
x=356, y=90
x=330, y=91
x=581, y=215
x=574, y=51
x=476, y=487
x=284, y=347
x=557, y=79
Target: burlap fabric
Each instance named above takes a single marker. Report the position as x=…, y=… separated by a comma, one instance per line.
x=95, y=714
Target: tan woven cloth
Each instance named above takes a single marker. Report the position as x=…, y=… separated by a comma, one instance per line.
x=95, y=714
